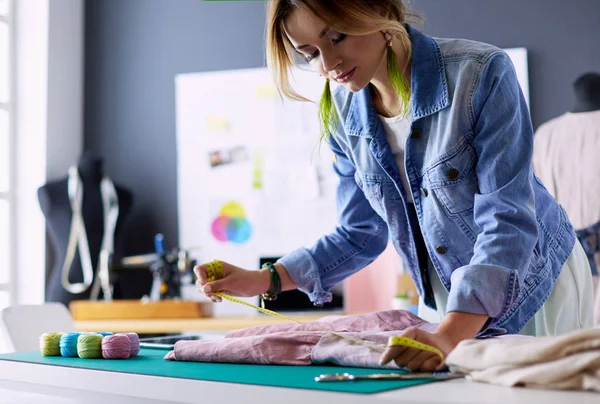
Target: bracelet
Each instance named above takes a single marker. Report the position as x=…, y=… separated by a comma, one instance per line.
x=275, y=288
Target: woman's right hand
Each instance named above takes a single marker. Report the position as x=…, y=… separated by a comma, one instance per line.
x=235, y=282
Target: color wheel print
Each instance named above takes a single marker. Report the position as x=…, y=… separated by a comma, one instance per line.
x=231, y=224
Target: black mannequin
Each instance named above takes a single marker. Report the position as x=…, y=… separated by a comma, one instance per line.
x=54, y=202
x=587, y=93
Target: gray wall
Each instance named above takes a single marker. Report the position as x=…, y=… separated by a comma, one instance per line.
x=562, y=38
x=134, y=48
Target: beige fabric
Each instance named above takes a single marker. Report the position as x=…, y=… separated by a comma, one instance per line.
x=566, y=158
x=571, y=361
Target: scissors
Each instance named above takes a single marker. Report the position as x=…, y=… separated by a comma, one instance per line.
x=342, y=377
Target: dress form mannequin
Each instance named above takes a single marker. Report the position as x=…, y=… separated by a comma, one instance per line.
x=56, y=206
x=587, y=93
x=565, y=158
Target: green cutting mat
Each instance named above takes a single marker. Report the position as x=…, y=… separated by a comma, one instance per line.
x=151, y=362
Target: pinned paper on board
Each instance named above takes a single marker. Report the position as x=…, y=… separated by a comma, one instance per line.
x=229, y=155
x=215, y=123
x=257, y=172
x=232, y=225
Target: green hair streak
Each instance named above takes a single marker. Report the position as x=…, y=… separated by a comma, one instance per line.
x=327, y=114
x=398, y=81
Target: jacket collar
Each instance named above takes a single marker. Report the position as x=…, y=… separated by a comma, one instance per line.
x=429, y=89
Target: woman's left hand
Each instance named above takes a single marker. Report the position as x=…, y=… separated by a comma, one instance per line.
x=416, y=359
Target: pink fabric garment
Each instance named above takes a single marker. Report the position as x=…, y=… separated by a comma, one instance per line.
x=334, y=350
x=283, y=348
x=296, y=344
x=388, y=320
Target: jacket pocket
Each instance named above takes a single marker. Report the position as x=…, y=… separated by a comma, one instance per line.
x=454, y=181
x=372, y=189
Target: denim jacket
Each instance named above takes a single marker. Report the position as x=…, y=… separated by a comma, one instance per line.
x=495, y=236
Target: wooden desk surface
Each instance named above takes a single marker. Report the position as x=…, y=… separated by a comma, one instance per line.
x=181, y=325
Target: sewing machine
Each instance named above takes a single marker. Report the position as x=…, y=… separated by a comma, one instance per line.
x=170, y=269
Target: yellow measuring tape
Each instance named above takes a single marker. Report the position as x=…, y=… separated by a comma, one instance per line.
x=214, y=271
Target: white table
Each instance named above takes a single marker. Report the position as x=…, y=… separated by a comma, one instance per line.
x=94, y=386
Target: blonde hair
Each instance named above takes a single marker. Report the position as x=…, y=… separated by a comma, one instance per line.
x=353, y=17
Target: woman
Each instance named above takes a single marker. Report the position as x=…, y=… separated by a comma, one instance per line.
x=433, y=143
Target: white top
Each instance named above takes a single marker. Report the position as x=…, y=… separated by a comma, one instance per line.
x=566, y=159
x=396, y=131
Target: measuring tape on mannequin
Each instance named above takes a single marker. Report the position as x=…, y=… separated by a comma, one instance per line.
x=78, y=238
x=214, y=271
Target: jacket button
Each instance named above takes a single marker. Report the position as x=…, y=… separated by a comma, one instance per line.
x=453, y=173
x=424, y=192
x=440, y=249
x=416, y=133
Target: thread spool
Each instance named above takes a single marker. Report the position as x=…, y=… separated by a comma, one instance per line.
x=135, y=342
x=116, y=346
x=68, y=344
x=89, y=346
x=104, y=333
x=50, y=343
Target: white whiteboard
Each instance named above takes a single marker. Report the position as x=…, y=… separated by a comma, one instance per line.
x=251, y=179
x=519, y=59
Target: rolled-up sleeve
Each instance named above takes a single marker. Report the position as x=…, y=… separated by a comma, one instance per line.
x=504, y=208
x=360, y=237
